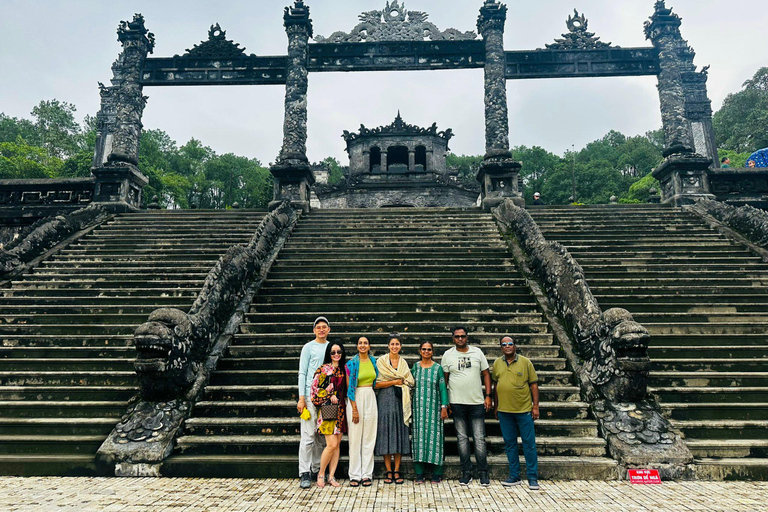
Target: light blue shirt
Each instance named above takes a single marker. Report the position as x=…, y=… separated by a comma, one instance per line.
x=312, y=355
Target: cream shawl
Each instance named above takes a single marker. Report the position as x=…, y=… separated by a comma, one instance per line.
x=387, y=373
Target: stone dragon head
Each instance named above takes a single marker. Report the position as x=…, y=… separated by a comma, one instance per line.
x=164, y=362
x=619, y=364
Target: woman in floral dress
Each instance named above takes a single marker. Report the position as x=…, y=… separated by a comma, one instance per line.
x=330, y=387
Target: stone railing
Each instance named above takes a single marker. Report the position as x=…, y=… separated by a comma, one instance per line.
x=37, y=239
x=47, y=192
x=176, y=351
x=740, y=186
x=608, y=351
x=751, y=223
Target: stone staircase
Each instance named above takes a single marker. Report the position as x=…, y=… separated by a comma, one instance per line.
x=704, y=299
x=372, y=272
x=66, y=358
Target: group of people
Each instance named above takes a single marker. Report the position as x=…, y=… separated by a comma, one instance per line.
x=390, y=409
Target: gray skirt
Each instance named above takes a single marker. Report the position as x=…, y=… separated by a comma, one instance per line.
x=392, y=433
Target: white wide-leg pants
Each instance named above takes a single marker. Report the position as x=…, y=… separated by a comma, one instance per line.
x=362, y=436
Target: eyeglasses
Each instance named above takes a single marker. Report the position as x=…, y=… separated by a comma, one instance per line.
x=425, y=349
x=460, y=336
x=335, y=352
x=507, y=344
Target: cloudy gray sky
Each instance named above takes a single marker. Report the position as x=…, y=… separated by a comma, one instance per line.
x=62, y=48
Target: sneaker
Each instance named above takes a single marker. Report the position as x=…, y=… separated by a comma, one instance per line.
x=533, y=484
x=465, y=479
x=484, y=480
x=419, y=479
x=305, y=481
x=511, y=482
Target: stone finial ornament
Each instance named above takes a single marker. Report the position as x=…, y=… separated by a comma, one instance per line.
x=399, y=127
x=578, y=37
x=395, y=23
x=217, y=46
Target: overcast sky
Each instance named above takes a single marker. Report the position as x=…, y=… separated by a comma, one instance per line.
x=61, y=49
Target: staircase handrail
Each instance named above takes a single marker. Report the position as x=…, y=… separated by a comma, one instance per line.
x=177, y=351
x=609, y=356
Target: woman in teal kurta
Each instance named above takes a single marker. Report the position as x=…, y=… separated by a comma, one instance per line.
x=430, y=409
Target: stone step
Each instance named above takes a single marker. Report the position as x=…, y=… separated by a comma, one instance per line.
x=63, y=409
x=704, y=394
x=691, y=290
x=706, y=328
x=388, y=326
x=711, y=352
x=25, y=427
x=711, y=364
x=716, y=411
x=54, y=329
x=317, y=300
x=284, y=466
x=710, y=429
x=728, y=447
x=101, y=364
x=58, y=444
x=727, y=468
x=275, y=445
x=289, y=392
x=332, y=307
x=74, y=393
x=145, y=294
x=384, y=274
x=48, y=465
x=703, y=299
x=13, y=303
x=713, y=379
x=696, y=308
x=410, y=289
x=381, y=336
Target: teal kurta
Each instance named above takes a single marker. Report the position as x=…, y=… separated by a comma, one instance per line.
x=429, y=395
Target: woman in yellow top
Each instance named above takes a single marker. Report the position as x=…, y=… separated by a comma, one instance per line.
x=363, y=413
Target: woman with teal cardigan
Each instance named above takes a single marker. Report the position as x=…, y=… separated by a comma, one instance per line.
x=362, y=414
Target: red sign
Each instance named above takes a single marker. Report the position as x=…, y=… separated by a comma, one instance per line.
x=644, y=476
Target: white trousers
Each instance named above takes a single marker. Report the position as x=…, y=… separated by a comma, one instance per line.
x=362, y=435
x=312, y=444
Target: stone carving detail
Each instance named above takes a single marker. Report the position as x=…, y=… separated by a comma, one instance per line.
x=675, y=59
x=749, y=222
x=216, y=47
x=578, y=37
x=395, y=23
x=490, y=23
x=44, y=234
x=173, y=345
x=614, y=375
x=150, y=422
x=398, y=127
x=122, y=104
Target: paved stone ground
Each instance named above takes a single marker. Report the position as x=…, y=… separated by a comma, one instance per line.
x=182, y=494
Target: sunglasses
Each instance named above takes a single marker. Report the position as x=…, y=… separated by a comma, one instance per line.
x=335, y=352
x=425, y=349
x=507, y=344
x=460, y=336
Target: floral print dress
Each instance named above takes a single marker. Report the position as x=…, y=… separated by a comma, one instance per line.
x=330, y=381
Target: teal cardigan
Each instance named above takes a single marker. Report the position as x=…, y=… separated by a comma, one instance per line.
x=353, y=368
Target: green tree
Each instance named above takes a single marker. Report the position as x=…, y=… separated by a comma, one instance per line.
x=56, y=128
x=19, y=160
x=741, y=124
x=466, y=166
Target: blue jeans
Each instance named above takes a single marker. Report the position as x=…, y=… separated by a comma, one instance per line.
x=511, y=425
x=465, y=416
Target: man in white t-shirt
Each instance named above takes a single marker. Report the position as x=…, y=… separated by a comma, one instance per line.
x=468, y=376
x=312, y=444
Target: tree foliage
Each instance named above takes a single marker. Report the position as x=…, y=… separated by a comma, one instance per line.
x=741, y=125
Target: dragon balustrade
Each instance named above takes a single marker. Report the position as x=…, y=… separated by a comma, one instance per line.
x=609, y=353
x=177, y=350
x=749, y=222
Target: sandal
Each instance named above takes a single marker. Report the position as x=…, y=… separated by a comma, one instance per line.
x=436, y=479
x=354, y=483
x=367, y=482
x=334, y=482
x=389, y=478
x=419, y=479
x=399, y=478
x=321, y=480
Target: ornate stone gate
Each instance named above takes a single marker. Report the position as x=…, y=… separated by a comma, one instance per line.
x=395, y=38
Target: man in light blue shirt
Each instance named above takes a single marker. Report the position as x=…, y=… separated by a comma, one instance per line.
x=312, y=444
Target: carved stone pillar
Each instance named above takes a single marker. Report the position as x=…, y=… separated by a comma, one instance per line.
x=683, y=172
x=498, y=172
x=293, y=176
x=411, y=160
x=115, y=165
x=384, y=161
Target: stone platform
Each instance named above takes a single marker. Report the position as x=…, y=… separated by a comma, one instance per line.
x=183, y=494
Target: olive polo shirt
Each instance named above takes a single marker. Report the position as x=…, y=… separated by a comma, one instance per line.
x=513, y=383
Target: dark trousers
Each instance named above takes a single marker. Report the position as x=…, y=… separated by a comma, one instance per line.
x=511, y=425
x=466, y=419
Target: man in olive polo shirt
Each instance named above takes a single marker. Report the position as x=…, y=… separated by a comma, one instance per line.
x=516, y=405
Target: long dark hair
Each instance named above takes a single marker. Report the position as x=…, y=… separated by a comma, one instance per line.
x=328, y=360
